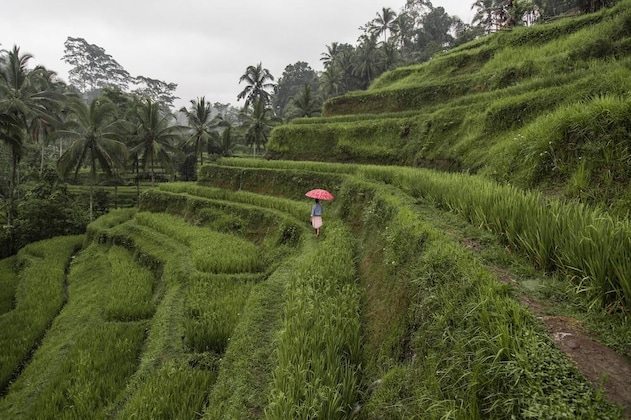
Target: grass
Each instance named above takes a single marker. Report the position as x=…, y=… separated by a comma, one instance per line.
x=520, y=106
x=39, y=288
x=131, y=291
x=83, y=362
x=175, y=311
x=244, y=381
x=211, y=252
x=475, y=338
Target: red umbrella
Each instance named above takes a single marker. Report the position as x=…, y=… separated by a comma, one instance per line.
x=320, y=194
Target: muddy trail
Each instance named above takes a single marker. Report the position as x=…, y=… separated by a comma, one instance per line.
x=601, y=365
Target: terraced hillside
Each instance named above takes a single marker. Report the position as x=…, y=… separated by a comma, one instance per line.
x=541, y=107
x=215, y=300
x=429, y=294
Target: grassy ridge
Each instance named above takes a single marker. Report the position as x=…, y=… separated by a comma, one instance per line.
x=384, y=316
x=8, y=284
x=441, y=336
x=589, y=245
x=539, y=107
x=84, y=361
x=146, y=315
x=319, y=345
x=37, y=280
x=399, y=322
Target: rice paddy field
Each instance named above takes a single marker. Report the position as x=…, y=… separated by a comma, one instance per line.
x=480, y=200
x=217, y=302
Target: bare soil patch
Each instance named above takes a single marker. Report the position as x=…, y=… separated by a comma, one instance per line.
x=600, y=364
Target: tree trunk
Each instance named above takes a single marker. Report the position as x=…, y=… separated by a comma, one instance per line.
x=152, y=172
x=41, y=160
x=137, y=181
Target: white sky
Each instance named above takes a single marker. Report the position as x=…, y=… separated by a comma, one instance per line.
x=203, y=46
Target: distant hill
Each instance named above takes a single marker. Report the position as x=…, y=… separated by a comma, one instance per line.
x=543, y=107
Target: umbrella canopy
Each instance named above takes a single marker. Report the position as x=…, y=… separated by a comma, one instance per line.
x=320, y=194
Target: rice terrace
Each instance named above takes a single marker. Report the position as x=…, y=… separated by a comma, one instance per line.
x=475, y=262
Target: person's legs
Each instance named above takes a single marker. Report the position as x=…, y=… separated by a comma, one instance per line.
x=316, y=221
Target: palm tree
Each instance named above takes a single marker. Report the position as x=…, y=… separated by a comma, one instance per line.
x=228, y=141
x=258, y=81
x=258, y=124
x=487, y=14
x=202, y=125
x=95, y=131
x=21, y=98
x=40, y=127
x=332, y=82
x=155, y=136
x=367, y=59
x=328, y=58
x=404, y=37
x=384, y=23
x=305, y=104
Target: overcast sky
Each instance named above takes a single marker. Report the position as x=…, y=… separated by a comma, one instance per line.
x=202, y=46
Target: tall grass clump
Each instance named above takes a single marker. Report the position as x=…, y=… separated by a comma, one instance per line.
x=92, y=373
x=112, y=218
x=290, y=207
x=304, y=166
x=130, y=295
x=587, y=136
x=589, y=244
x=214, y=305
x=475, y=353
x=466, y=348
x=245, y=377
x=318, y=347
x=211, y=251
x=84, y=362
x=39, y=296
x=175, y=391
x=170, y=379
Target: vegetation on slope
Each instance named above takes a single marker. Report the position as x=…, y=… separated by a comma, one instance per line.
x=383, y=316
x=148, y=316
x=539, y=107
x=440, y=335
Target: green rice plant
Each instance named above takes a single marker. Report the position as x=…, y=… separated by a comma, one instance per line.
x=241, y=390
x=211, y=251
x=586, y=133
x=39, y=296
x=175, y=390
x=304, y=166
x=130, y=294
x=475, y=352
x=83, y=362
x=93, y=371
x=290, y=207
x=318, y=348
x=107, y=221
x=214, y=305
x=594, y=247
x=555, y=235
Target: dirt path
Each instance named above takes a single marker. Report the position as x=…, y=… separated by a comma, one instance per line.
x=597, y=362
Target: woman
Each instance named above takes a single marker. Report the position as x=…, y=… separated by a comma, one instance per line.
x=316, y=217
